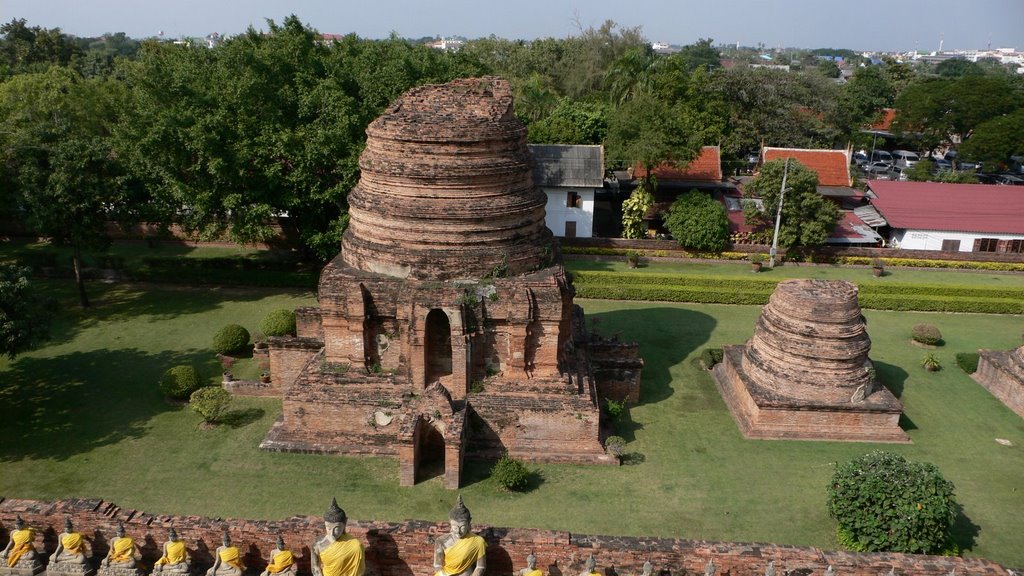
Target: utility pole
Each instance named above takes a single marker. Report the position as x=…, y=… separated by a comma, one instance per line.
x=778, y=216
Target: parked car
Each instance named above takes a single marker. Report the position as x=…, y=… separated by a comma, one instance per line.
x=859, y=159
x=1008, y=180
x=898, y=173
x=952, y=157
x=905, y=158
x=942, y=164
x=876, y=170
x=881, y=156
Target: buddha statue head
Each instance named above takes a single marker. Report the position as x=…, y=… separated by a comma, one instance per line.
x=19, y=522
x=68, y=528
x=335, y=520
x=280, y=542
x=225, y=538
x=172, y=535
x=531, y=561
x=591, y=565
x=120, y=530
x=460, y=519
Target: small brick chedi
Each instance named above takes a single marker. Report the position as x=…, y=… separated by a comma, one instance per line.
x=446, y=325
x=805, y=373
x=1001, y=372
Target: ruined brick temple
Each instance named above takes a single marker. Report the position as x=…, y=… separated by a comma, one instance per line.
x=446, y=324
x=1001, y=372
x=805, y=373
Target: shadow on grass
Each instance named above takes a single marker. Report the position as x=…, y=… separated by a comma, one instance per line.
x=71, y=404
x=665, y=335
x=964, y=531
x=892, y=377
x=241, y=418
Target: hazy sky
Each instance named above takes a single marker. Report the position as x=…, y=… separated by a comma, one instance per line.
x=859, y=25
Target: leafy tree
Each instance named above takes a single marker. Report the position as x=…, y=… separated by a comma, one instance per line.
x=634, y=209
x=807, y=217
x=179, y=382
x=883, y=502
x=510, y=474
x=647, y=131
x=25, y=48
x=632, y=74
x=698, y=221
x=862, y=99
x=700, y=55
x=571, y=123
x=210, y=402
x=59, y=163
x=922, y=171
x=956, y=67
x=994, y=141
x=24, y=321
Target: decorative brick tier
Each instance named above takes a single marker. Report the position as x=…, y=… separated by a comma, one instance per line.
x=805, y=374
x=404, y=549
x=1002, y=374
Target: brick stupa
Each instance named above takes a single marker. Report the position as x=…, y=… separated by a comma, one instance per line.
x=805, y=374
x=446, y=325
x=1001, y=372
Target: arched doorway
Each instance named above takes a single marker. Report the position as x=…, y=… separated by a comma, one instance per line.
x=438, y=347
x=429, y=447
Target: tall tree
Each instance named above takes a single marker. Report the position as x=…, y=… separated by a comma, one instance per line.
x=59, y=161
x=25, y=48
x=24, y=321
x=995, y=141
x=807, y=217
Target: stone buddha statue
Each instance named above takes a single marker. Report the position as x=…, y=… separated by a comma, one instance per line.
x=337, y=553
x=72, y=553
x=531, y=567
x=175, y=559
x=590, y=568
x=227, y=560
x=460, y=552
x=123, y=557
x=282, y=561
x=20, y=556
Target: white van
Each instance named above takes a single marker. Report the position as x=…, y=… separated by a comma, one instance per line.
x=905, y=158
x=881, y=156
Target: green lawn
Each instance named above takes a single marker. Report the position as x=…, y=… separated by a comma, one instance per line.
x=82, y=417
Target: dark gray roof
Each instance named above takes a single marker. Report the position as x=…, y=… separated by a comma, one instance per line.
x=568, y=165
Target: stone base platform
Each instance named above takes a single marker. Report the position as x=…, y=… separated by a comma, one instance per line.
x=66, y=569
x=1002, y=373
x=768, y=414
x=26, y=570
x=115, y=570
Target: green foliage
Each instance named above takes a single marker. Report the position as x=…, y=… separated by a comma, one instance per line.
x=24, y=319
x=995, y=140
x=633, y=210
x=615, y=446
x=926, y=334
x=179, y=382
x=510, y=474
x=279, y=323
x=883, y=502
x=210, y=403
x=967, y=361
x=756, y=258
x=614, y=409
x=711, y=356
x=230, y=338
x=807, y=217
x=698, y=221
x=931, y=363
x=571, y=122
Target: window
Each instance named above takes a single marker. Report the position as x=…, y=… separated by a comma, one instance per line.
x=1015, y=246
x=570, y=229
x=573, y=200
x=950, y=245
x=986, y=244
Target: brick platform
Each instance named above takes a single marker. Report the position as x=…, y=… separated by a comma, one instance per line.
x=1002, y=374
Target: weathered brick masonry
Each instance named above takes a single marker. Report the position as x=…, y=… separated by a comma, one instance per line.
x=405, y=549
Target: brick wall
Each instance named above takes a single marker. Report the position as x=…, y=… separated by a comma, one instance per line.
x=404, y=549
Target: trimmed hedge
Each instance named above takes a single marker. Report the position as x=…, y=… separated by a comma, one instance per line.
x=967, y=361
x=179, y=382
x=231, y=338
x=279, y=323
x=926, y=334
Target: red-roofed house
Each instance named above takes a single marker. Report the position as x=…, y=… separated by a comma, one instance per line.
x=832, y=166
x=884, y=121
x=950, y=217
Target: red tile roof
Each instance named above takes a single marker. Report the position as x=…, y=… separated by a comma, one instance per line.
x=832, y=166
x=706, y=167
x=950, y=207
x=885, y=121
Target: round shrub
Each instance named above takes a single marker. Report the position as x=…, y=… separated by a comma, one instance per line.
x=884, y=503
x=926, y=334
x=279, y=323
x=510, y=474
x=179, y=382
x=210, y=402
x=231, y=338
x=615, y=445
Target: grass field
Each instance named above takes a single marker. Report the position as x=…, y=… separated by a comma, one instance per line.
x=82, y=417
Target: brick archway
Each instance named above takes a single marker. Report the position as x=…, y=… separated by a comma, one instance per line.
x=437, y=349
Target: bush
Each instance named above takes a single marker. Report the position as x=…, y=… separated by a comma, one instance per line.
x=231, y=338
x=279, y=323
x=967, y=361
x=179, y=382
x=210, y=403
x=884, y=503
x=614, y=409
x=926, y=334
x=711, y=356
x=510, y=474
x=615, y=446
x=931, y=363
x=698, y=221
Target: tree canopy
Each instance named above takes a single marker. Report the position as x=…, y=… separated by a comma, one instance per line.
x=807, y=217
x=698, y=221
x=24, y=321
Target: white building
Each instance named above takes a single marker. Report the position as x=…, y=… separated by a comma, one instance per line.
x=950, y=217
x=569, y=175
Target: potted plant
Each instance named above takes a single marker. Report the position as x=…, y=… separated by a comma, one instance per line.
x=228, y=376
x=260, y=341
x=931, y=363
x=265, y=377
x=756, y=261
x=632, y=259
x=877, y=266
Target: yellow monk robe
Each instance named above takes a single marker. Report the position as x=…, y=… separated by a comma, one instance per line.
x=175, y=553
x=231, y=556
x=534, y=572
x=282, y=561
x=343, y=558
x=22, y=543
x=463, y=555
x=123, y=550
x=73, y=543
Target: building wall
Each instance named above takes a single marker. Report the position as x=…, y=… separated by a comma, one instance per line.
x=557, y=213
x=932, y=239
